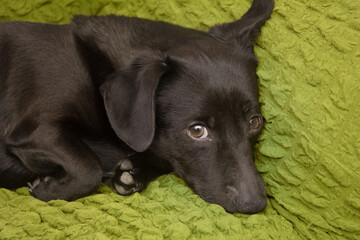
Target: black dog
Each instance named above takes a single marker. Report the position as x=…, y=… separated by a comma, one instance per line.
x=127, y=99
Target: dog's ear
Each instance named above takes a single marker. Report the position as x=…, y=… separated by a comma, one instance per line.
x=244, y=30
x=128, y=92
x=129, y=97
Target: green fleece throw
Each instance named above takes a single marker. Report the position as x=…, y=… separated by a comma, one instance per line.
x=309, y=152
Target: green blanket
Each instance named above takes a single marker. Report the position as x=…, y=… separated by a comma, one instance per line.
x=309, y=153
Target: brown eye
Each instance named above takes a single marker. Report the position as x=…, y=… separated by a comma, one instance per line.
x=255, y=123
x=198, y=131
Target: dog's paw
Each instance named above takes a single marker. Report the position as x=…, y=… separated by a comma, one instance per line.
x=38, y=188
x=127, y=179
x=33, y=184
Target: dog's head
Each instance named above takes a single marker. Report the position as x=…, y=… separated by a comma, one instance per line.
x=195, y=104
x=208, y=119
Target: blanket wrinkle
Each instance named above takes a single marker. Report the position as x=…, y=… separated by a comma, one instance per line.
x=308, y=154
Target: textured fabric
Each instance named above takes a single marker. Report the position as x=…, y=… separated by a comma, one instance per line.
x=309, y=153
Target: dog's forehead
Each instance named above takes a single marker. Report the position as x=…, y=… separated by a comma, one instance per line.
x=223, y=72
x=219, y=65
x=208, y=88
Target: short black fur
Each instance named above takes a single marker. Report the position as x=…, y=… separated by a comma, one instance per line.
x=122, y=100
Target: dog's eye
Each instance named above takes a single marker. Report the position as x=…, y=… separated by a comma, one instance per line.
x=198, y=131
x=255, y=122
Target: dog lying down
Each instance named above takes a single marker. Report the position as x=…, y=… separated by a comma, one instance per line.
x=124, y=100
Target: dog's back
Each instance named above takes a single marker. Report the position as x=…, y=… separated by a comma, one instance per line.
x=42, y=78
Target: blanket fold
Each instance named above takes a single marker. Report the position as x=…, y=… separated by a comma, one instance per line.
x=309, y=153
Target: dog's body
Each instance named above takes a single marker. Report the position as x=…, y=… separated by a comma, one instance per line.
x=125, y=100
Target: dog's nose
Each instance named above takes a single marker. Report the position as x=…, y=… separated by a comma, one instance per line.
x=248, y=199
x=251, y=206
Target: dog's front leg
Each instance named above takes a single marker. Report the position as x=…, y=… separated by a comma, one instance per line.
x=67, y=168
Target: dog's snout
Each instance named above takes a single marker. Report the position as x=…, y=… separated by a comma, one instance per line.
x=247, y=199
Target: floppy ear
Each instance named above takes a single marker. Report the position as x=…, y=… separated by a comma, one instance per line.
x=129, y=97
x=244, y=30
x=128, y=91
